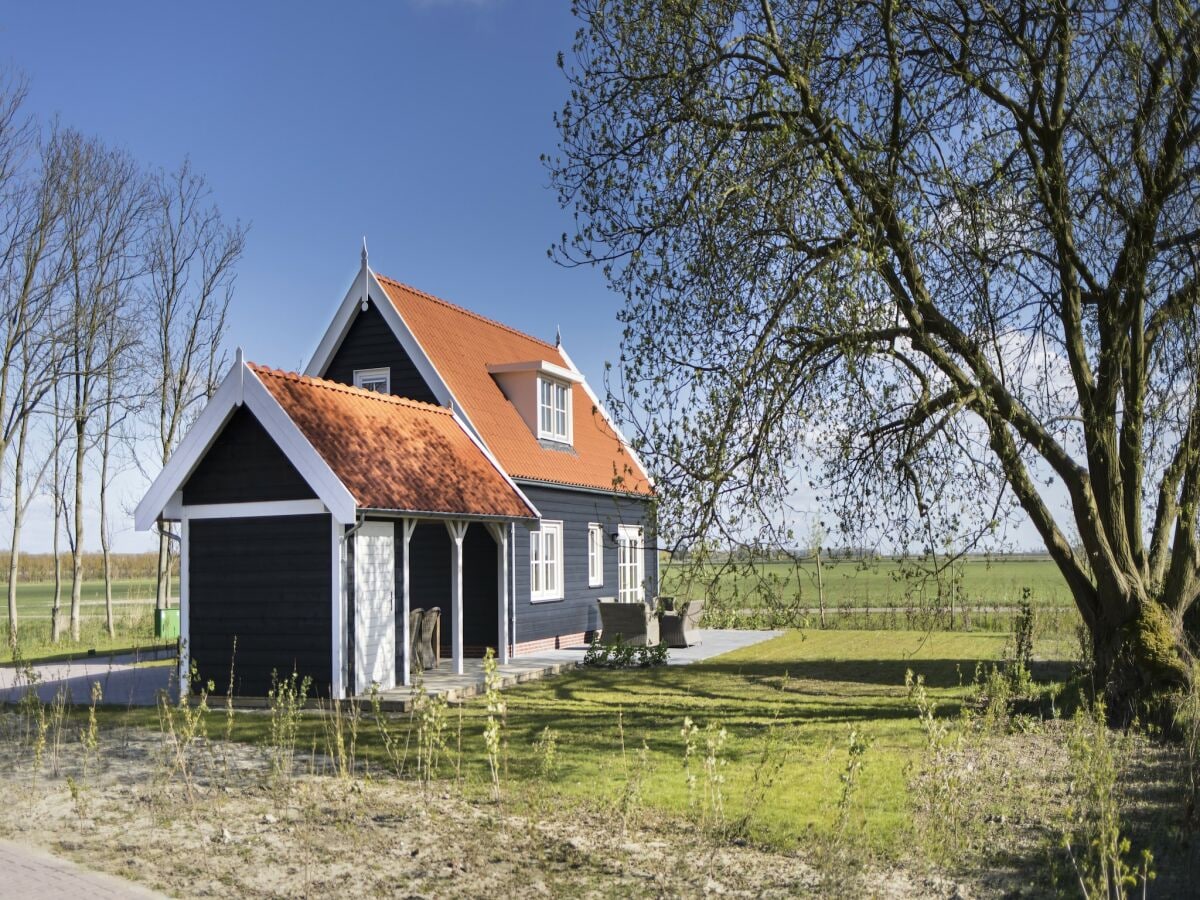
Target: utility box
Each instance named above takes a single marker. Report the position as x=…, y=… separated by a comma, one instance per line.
x=166, y=623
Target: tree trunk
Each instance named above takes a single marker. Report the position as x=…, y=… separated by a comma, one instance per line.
x=1140, y=664
x=105, y=446
x=56, y=623
x=77, y=549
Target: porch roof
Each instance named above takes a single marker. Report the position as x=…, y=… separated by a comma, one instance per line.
x=394, y=454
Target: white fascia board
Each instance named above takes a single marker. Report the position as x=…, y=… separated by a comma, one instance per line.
x=191, y=450
x=255, y=509
x=336, y=332
x=540, y=366
x=607, y=418
x=240, y=386
x=296, y=447
x=495, y=463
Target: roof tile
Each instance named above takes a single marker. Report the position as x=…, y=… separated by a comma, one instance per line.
x=462, y=344
x=392, y=453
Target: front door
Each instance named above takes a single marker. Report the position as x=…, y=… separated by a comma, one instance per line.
x=631, y=569
x=374, y=606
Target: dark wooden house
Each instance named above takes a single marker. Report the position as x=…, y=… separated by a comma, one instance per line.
x=428, y=457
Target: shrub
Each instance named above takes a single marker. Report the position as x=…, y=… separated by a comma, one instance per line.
x=624, y=656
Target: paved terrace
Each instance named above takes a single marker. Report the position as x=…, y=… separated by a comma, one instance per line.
x=129, y=681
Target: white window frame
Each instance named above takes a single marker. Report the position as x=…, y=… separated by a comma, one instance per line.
x=546, y=562
x=558, y=415
x=363, y=377
x=631, y=564
x=595, y=554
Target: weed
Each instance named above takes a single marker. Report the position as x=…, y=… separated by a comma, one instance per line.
x=1093, y=837
x=494, y=727
x=184, y=724
x=88, y=737
x=856, y=752
x=286, y=699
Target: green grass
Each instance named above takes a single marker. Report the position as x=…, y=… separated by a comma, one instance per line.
x=812, y=688
x=36, y=598
x=883, y=582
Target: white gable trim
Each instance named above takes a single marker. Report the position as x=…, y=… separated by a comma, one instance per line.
x=607, y=418
x=242, y=386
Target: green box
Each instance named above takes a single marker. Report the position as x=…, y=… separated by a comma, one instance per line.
x=166, y=623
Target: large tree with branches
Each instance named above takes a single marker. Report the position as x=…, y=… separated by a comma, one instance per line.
x=949, y=249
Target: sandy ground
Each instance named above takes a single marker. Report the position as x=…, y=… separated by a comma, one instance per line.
x=235, y=832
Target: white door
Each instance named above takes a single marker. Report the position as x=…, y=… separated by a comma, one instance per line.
x=631, y=569
x=374, y=606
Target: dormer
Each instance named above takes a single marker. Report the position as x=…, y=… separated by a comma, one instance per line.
x=542, y=393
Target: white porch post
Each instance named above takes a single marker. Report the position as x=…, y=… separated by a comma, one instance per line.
x=458, y=531
x=185, y=655
x=409, y=525
x=500, y=534
x=339, y=596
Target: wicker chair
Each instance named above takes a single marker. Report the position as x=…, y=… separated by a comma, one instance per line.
x=414, y=639
x=631, y=623
x=429, y=626
x=682, y=629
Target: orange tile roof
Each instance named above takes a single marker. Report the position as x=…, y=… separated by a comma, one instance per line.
x=393, y=453
x=462, y=344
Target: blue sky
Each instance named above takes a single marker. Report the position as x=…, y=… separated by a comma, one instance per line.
x=418, y=124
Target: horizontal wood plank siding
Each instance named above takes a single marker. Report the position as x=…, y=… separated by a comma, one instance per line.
x=370, y=344
x=577, y=611
x=265, y=582
x=244, y=464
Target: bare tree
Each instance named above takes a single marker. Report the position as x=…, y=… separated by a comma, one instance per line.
x=104, y=212
x=190, y=260
x=956, y=243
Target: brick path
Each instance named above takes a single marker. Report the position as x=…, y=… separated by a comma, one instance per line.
x=33, y=873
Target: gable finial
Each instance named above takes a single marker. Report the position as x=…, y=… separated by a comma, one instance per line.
x=364, y=251
x=557, y=336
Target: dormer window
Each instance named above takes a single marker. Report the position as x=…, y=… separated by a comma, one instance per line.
x=377, y=380
x=554, y=410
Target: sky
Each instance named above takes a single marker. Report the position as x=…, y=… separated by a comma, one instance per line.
x=418, y=124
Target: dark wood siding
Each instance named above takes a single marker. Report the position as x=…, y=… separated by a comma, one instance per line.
x=244, y=464
x=267, y=583
x=429, y=584
x=370, y=344
x=577, y=610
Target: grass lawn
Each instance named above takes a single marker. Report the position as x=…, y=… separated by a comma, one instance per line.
x=810, y=688
x=886, y=582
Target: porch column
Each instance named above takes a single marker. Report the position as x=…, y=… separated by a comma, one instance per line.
x=458, y=531
x=407, y=528
x=500, y=535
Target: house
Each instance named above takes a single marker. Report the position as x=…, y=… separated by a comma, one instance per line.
x=426, y=457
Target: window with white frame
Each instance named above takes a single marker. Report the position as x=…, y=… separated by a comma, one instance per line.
x=554, y=410
x=595, y=549
x=631, y=565
x=546, y=562
x=377, y=380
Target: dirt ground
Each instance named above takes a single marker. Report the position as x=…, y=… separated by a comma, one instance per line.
x=231, y=829
x=238, y=833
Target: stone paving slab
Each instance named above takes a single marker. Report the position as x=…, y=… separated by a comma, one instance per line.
x=29, y=872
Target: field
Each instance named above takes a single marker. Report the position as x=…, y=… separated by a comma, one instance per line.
x=999, y=581
x=811, y=769
x=133, y=601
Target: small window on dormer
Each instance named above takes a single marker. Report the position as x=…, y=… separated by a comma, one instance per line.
x=377, y=380
x=554, y=410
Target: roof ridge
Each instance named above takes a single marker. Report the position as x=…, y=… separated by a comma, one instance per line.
x=339, y=387
x=465, y=311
